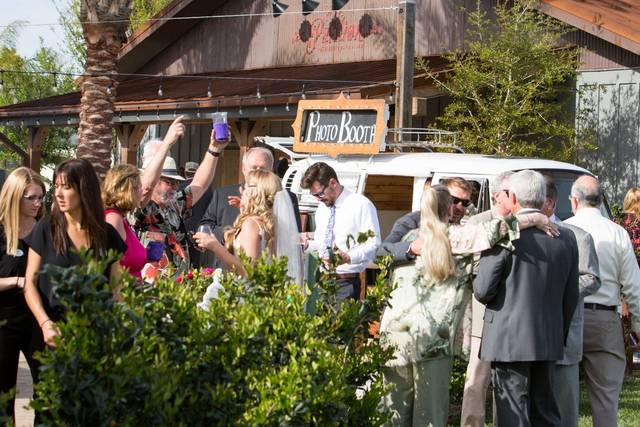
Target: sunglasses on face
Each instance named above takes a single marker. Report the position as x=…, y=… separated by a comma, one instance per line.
x=319, y=194
x=463, y=202
x=33, y=198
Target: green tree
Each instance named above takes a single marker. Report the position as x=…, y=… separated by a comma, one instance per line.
x=22, y=81
x=511, y=85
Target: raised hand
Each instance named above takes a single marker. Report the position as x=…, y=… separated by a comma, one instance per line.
x=175, y=132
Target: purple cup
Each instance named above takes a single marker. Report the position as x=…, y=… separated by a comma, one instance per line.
x=219, y=120
x=221, y=131
x=155, y=251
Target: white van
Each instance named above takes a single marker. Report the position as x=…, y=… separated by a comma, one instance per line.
x=394, y=181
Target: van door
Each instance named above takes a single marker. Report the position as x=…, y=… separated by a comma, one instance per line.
x=480, y=196
x=392, y=195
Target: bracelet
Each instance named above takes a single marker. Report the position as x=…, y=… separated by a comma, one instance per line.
x=45, y=322
x=213, y=153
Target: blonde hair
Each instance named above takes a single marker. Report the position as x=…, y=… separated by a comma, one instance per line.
x=10, y=197
x=259, y=193
x=118, y=188
x=631, y=202
x=436, y=250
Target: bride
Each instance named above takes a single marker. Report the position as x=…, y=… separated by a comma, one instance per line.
x=266, y=223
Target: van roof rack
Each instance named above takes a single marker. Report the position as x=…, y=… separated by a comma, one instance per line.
x=424, y=138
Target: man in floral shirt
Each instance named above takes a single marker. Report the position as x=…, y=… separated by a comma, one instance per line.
x=162, y=220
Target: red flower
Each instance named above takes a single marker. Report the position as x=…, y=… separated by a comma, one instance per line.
x=179, y=279
x=190, y=275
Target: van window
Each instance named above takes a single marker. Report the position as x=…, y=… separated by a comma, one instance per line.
x=392, y=195
x=564, y=180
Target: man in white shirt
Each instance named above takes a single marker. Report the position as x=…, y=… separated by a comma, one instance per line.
x=340, y=218
x=603, y=347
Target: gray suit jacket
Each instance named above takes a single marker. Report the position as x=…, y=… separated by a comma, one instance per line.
x=393, y=244
x=531, y=295
x=589, y=283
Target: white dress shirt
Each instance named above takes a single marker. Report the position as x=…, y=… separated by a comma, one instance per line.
x=354, y=214
x=618, y=265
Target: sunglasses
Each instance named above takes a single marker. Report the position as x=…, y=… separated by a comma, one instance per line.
x=463, y=202
x=319, y=194
x=34, y=198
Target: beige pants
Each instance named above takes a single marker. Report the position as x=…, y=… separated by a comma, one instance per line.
x=420, y=393
x=475, y=388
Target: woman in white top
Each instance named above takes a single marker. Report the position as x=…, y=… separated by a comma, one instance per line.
x=265, y=223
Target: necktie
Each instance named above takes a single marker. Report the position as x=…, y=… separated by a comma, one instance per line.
x=329, y=236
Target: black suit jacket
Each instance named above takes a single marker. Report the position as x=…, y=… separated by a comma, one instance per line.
x=531, y=295
x=393, y=244
x=220, y=215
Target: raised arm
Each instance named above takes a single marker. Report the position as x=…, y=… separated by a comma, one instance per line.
x=207, y=169
x=153, y=170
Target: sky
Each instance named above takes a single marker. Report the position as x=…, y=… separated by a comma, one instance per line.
x=35, y=12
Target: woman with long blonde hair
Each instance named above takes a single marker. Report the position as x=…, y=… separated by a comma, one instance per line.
x=253, y=231
x=21, y=205
x=428, y=304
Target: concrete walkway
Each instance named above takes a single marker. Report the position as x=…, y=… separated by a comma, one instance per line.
x=24, y=417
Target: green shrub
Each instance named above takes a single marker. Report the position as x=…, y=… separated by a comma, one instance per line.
x=255, y=358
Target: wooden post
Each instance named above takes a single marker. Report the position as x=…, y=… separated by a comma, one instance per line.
x=129, y=137
x=404, y=62
x=244, y=132
x=36, y=139
x=16, y=149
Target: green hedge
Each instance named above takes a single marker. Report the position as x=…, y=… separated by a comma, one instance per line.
x=255, y=358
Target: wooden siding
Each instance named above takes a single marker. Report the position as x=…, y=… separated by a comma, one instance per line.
x=599, y=54
x=263, y=41
x=613, y=99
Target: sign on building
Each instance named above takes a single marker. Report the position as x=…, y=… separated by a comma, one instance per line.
x=341, y=126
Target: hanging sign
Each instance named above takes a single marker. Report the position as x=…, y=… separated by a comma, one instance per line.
x=341, y=126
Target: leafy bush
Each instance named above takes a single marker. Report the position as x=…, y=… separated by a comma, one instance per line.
x=255, y=358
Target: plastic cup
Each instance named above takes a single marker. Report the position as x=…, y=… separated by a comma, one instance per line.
x=155, y=251
x=220, y=126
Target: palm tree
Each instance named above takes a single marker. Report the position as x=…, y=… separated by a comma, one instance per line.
x=104, y=25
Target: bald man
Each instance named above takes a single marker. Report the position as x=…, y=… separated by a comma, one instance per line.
x=603, y=346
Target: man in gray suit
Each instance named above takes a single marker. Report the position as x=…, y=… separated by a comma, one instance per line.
x=566, y=375
x=531, y=295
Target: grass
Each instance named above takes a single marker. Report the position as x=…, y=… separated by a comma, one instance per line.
x=629, y=407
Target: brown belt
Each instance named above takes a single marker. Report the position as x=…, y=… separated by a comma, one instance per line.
x=347, y=275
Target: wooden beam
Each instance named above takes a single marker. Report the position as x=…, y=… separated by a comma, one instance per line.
x=36, y=139
x=129, y=137
x=15, y=148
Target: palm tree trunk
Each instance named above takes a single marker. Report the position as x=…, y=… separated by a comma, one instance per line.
x=104, y=39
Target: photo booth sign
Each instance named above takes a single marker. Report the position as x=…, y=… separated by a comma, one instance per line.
x=341, y=126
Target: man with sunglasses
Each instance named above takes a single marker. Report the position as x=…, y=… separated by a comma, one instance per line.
x=340, y=216
x=403, y=252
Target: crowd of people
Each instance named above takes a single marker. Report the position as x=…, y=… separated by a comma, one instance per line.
x=546, y=293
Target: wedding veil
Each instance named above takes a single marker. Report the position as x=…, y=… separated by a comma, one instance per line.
x=288, y=236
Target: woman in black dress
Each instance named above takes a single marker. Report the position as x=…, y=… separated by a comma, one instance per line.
x=20, y=208
x=76, y=222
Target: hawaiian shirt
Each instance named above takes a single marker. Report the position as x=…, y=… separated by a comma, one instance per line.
x=166, y=224
x=424, y=316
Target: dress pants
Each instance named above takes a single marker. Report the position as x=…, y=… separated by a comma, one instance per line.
x=16, y=335
x=420, y=393
x=566, y=388
x=604, y=363
x=524, y=394
x=475, y=388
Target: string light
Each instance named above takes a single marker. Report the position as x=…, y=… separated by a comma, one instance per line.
x=240, y=108
x=286, y=107
x=209, y=93
x=160, y=92
x=258, y=92
x=186, y=18
x=303, y=95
